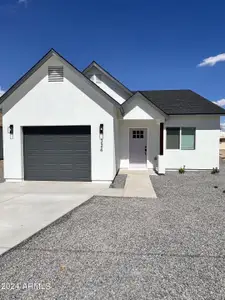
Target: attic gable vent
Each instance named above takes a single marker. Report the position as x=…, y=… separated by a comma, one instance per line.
x=55, y=74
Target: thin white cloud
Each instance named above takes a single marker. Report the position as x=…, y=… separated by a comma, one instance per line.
x=220, y=102
x=25, y=2
x=212, y=60
x=1, y=92
x=12, y=8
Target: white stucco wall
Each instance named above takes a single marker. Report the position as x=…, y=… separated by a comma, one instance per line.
x=73, y=102
x=110, y=87
x=117, y=143
x=206, y=153
x=153, y=130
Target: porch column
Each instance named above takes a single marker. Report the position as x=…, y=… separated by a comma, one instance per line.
x=161, y=143
x=161, y=157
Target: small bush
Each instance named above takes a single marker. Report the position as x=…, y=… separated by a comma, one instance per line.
x=182, y=170
x=215, y=171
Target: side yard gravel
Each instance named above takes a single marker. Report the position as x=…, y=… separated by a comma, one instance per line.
x=199, y=184
x=119, y=181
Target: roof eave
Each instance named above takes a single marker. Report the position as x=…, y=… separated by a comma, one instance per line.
x=32, y=70
x=106, y=73
x=155, y=106
x=147, y=100
x=196, y=114
x=29, y=73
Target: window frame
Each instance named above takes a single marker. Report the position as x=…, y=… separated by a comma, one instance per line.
x=185, y=127
x=137, y=134
x=180, y=137
x=175, y=127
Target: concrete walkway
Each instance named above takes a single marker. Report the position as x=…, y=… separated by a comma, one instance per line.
x=138, y=185
x=27, y=207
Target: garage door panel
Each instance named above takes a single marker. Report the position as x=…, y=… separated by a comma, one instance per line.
x=57, y=153
x=49, y=167
x=39, y=143
x=67, y=156
x=76, y=144
x=50, y=159
x=82, y=147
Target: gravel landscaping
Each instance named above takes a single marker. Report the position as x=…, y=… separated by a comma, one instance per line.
x=119, y=181
x=198, y=184
x=172, y=247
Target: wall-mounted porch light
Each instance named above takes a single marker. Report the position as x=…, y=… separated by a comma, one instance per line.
x=11, y=129
x=101, y=134
x=101, y=131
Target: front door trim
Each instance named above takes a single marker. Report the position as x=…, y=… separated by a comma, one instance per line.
x=146, y=130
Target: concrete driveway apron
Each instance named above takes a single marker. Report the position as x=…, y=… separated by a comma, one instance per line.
x=27, y=207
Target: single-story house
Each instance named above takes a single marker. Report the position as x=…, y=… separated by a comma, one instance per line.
x=63, y=124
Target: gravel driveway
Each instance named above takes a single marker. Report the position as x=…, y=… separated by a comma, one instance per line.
x=172, y=247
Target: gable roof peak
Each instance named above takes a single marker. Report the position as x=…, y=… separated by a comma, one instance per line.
x=106, y=73
x=45, y=58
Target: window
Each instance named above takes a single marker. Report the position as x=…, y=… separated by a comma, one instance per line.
x=187, y=138
x=138, y=134
x=186, y=142
x=173, y=138
x=55, y=74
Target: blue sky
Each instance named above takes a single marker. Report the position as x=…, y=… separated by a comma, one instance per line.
x=145, y=44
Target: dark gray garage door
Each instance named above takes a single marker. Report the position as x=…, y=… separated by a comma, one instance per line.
x=57, y=153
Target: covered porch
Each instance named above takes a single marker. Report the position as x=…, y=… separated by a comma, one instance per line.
x=141, y=142
x=141, y=136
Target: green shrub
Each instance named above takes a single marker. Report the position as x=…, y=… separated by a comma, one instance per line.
x=182, y=170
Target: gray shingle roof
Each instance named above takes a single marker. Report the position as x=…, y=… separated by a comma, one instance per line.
x=182, y=102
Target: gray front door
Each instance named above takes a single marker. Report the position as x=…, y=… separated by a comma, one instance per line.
x=58, y=153
x=138, y=148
